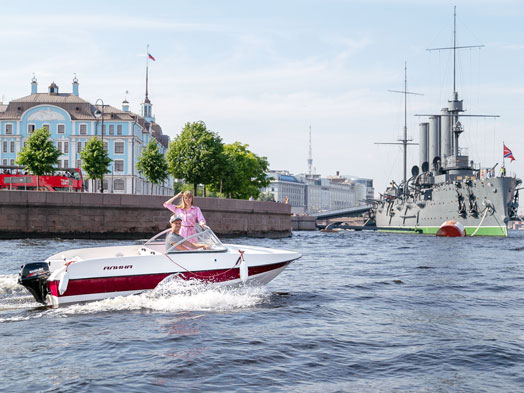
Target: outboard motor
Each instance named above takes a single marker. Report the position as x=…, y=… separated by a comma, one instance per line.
x=34, y=277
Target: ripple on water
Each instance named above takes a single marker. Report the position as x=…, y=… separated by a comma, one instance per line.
x=361, y=311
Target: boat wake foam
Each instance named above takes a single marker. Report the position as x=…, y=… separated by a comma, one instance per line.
x=171, y=295
x=174, y=295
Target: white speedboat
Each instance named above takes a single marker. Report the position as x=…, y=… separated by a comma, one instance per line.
x=89, y=274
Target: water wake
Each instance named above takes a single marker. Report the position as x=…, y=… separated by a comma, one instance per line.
x=174, y=295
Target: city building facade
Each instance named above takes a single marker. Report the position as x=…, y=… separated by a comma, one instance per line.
x=72, y=121
x=310, y=194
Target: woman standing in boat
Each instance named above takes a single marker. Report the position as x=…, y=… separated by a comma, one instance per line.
x=189, y=213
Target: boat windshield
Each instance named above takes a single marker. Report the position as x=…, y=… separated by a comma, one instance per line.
x=203, y=236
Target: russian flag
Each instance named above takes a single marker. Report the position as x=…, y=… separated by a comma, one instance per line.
x=151, y=57
x=508, y=153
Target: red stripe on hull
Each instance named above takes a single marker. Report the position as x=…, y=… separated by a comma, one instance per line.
x=149, y=281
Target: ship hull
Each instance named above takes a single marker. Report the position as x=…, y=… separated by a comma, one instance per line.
x=480, y=205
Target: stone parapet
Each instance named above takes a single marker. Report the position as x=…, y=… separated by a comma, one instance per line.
x=89, y=215
x=303, y=223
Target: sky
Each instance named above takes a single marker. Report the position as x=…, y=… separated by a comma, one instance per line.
x=264, y=72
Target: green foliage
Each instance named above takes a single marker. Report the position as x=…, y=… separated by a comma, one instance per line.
x=39, y=155
x=152, y=164
x=180, y=186
x=244, y=174
x=95, y=160
x=196, y=155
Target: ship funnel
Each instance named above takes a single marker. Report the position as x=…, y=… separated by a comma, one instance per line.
x=423, y=143
x=434, y=138
x=446, y=135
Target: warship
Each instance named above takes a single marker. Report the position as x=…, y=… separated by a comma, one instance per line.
x=446, y=186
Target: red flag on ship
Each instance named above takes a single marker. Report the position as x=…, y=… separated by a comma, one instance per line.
x=151, y=57
x=508, y=153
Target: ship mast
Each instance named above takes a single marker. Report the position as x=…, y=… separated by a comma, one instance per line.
x=455, y=105
x=404, y=141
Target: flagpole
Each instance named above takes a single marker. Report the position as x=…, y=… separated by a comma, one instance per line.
x=503, y=159
x=147, y=68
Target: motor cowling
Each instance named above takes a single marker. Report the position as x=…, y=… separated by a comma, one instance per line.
x=34, y=277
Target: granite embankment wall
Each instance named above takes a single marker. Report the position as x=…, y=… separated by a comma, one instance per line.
x=303, y=223
x=119, y=216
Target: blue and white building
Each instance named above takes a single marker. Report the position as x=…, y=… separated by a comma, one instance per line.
x=72, y=122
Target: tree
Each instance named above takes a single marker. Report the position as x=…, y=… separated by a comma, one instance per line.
x=95, y=160
x=152, y=164
x=196, y=155
x=39, y=155
x=245, y=173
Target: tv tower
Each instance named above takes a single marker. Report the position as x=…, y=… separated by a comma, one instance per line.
x=310, y=157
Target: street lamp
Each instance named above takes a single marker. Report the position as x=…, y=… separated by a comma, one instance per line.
x=99, y=114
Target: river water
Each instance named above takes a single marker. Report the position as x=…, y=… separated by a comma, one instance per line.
x=359, y=312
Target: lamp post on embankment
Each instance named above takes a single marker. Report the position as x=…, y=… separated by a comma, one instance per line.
x=99, y=114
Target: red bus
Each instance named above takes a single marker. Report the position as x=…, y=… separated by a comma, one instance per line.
x=17, y=178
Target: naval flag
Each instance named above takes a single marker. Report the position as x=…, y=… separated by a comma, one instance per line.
x=151, y=57
x=508, y=153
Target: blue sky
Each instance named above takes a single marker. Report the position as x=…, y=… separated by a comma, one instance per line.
x=262, y=72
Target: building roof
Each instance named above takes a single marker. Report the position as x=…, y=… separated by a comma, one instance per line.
x=112, y=113
x=46, y=98
x=159, y=136
x=77, y=108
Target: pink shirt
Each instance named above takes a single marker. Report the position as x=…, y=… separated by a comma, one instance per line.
x=188, y=218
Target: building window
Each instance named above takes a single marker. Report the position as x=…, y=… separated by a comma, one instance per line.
x=119, y=165
x=105, y=147
x=59, y=145
x=66, y=163
x=9, y=129
x=119, y=185
x=46, y=127
x=30, y=128
x=4, y=147
x=104, y=129
x=79, y=146
x=83, y=129
x=119, y=129
x=60, y=129
x=12, y=162
x=78, y=163
x=59, y=164
x=66, y=147
x=4, y=161
x=111, y=130
x=119, y=147
x=12, y=146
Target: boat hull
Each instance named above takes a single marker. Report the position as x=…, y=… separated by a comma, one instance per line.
x=99, y=273
x=92, y=289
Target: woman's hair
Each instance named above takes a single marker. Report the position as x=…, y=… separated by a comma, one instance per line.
x=182, y=204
